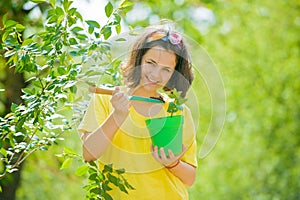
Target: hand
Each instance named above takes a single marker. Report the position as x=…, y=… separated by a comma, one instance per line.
x=120, y=102
x=163, y=158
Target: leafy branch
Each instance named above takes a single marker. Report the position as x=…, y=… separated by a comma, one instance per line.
x=52, y=60
x=100, y=181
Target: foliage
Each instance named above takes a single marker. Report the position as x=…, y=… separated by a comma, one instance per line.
x=53, y=60
x=99, y=181
x=256, y=47
x=177, y=101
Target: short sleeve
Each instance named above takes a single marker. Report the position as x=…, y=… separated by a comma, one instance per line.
x=189, y=138
x=97, y=111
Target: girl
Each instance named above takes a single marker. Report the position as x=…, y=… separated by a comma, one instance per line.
x=114, y=129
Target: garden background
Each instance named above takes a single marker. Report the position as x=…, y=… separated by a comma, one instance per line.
x=255, y=47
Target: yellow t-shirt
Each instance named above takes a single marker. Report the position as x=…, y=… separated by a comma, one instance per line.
x=130, y=149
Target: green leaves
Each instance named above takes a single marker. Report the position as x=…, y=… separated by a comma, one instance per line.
x=124, y=7
x=67, y=163
x=175, y=105
x=82, y=170
x=53, y=61
x=99, y=181
x=106, y=32
x=92, y=25
x=109, y=9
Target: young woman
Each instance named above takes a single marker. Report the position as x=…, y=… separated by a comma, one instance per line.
x=114, y=129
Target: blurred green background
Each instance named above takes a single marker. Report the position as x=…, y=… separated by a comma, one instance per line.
x=255, y=46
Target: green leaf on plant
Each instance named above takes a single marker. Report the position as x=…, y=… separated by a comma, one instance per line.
x=128, y=185
x=28, y=91
x=69, y=151
x=126, y=4
x=109, y=9
x=27, y=41
x=67, y=163
x=13, y=107
x=93, y=23
x=124, y=7
x=113, y=179
x=5, y=35
x=106, y=187
x=72, y=41
x=82, y=170
x=4, y=18
x=93, y=176
x=67, y=4
x=107, y=196
x=90, y=29
x=120, y=171
x=106, y=32
x=52, y=2
x=76, y=29
x=118, y=29
x=9, y=53
x=10, y=23
x=120, y=40
x=3, y=152
x=122, y=188
x=20, y=27
x=108, y=168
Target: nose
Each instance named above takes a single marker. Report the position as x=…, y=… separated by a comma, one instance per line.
x=155, y=73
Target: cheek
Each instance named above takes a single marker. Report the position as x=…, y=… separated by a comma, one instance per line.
x=145, y=69
x=167, y=76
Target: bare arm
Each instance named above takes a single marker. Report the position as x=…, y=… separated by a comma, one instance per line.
x=184, y=171
x=94, y=144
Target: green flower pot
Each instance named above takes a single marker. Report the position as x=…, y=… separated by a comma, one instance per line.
x=166, y=132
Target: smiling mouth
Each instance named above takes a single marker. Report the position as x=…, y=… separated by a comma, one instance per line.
x=151, y=82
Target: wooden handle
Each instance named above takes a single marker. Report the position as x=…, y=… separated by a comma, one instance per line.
x=101, y=90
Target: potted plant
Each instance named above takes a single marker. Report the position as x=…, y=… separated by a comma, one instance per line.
x=167, y=131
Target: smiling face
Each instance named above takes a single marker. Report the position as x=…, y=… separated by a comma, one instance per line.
x=157, y=68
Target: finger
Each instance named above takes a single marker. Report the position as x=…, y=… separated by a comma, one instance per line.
x=117, y=89
x=171, y=155
x=123, y=98
x=119, y=97
x=124, y=104
x=155, y=153
x=162, y=154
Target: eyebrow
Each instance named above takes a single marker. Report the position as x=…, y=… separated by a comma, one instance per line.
x=150, y=59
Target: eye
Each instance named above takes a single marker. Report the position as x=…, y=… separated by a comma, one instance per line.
x=166, y=69
x=150, y=63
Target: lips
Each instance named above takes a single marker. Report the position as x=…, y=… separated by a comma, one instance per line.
x=151, y=82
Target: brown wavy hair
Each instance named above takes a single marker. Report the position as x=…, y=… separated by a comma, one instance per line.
x=182, y=77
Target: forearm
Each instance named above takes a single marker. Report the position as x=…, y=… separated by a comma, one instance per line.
x=95, y=143
x=185, y=172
